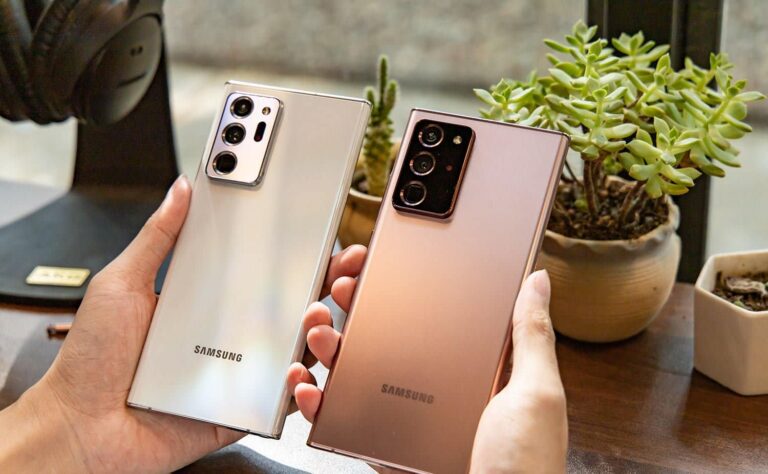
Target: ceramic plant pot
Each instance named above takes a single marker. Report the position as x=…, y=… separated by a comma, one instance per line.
x=361, y=210
x=359, y=218
x=730, y=342
x=604, y=291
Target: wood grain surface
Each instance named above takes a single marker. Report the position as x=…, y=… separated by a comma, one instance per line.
x=633, y=406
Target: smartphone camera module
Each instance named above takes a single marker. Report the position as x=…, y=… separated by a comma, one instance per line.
x=422, y=164
x=242, y=107
x=233, y=134
x=413, y=193
x=429, y=180
x=225, y=162
x=431, y=135
x=241, y=146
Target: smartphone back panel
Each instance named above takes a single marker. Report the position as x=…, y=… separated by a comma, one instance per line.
x=431, y=316
x=250, y=258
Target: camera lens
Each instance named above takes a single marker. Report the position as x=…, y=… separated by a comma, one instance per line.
x=413, y=193
x=225, y=162
x=234, y=133
x=431, y=135
x=242, y=107
x=422, y=164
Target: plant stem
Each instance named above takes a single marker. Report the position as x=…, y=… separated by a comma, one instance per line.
x=570, y=172
x=589, y=188
x=560, y=210
x=630, y=201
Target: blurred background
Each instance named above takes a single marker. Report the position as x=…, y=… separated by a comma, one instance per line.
x=439, y=51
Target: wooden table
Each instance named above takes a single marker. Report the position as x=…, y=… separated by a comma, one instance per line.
x=639, y=405
x=635, y=406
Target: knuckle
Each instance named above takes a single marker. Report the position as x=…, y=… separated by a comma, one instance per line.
x=155, y=227
x=547, y=400
x=540, y=324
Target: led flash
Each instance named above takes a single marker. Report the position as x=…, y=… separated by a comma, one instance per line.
x=457, y=140
x=266, y=111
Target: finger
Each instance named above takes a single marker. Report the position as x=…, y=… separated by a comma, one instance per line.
x=342, y=291
x=348, y=262
x=317, y=314
x=323, y=341
x=297, y=374
x=308, y=400
x=533, y=339
x=146, y=252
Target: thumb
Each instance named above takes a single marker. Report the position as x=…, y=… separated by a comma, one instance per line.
x=533, y=339
x=144, y=255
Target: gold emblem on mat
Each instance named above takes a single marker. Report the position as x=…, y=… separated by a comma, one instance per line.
x=58, y=276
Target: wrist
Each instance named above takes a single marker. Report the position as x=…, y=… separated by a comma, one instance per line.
x=42, y=437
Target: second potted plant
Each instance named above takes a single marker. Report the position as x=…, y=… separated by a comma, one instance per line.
x=611, y=248
x=374, y=165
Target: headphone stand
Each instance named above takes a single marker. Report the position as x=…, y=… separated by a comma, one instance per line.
x=122, y=172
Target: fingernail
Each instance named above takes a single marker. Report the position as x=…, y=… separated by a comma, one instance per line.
x=541, y=284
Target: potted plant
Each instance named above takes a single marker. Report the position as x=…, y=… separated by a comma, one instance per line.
x=644, y=132
x=731, y=321
x=370, y=179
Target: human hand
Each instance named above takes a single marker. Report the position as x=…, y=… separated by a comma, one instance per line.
x=75, y=418
x=524, y=428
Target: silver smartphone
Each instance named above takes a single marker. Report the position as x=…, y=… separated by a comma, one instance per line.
x=266, y=205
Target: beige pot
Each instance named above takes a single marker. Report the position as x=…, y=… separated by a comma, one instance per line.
x=730, y=342
x=604, y=291
x=361, y=211
x=359, y=218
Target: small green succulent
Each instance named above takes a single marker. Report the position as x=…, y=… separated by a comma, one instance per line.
x=625, y=108
x=377, y=150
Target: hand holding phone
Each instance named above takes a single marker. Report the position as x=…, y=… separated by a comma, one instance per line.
x=524, y=427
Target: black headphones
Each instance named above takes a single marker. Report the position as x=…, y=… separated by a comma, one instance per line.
x=92, y=59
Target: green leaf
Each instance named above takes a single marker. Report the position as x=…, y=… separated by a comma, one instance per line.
x=673, y=189
x=628, y=160
x=750, y=96
x=486, y=97
x=560, y=76
x=737, y=110
x=661, y=126
x=644, y=136
x=644, y=150
x=557, y=46
x=643, y=172
x=676, y=176
x=723, y=156
x=620, y=131
x=692, y=173
x=653, y=187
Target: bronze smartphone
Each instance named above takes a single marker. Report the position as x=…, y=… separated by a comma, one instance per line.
x=428, y=334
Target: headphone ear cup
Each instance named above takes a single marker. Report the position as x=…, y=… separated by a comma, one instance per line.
x=11, y=106
x=34, y=10
x=45, y=41
x=15, y=37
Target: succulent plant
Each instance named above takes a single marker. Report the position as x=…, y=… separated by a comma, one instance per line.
x=377, y=150
x=625, y=108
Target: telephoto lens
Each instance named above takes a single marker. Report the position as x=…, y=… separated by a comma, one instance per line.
x=242, y=107
x=413, y=193
x=225, y=162
x=234, y=133
x=431, y=135
x=422, y=164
